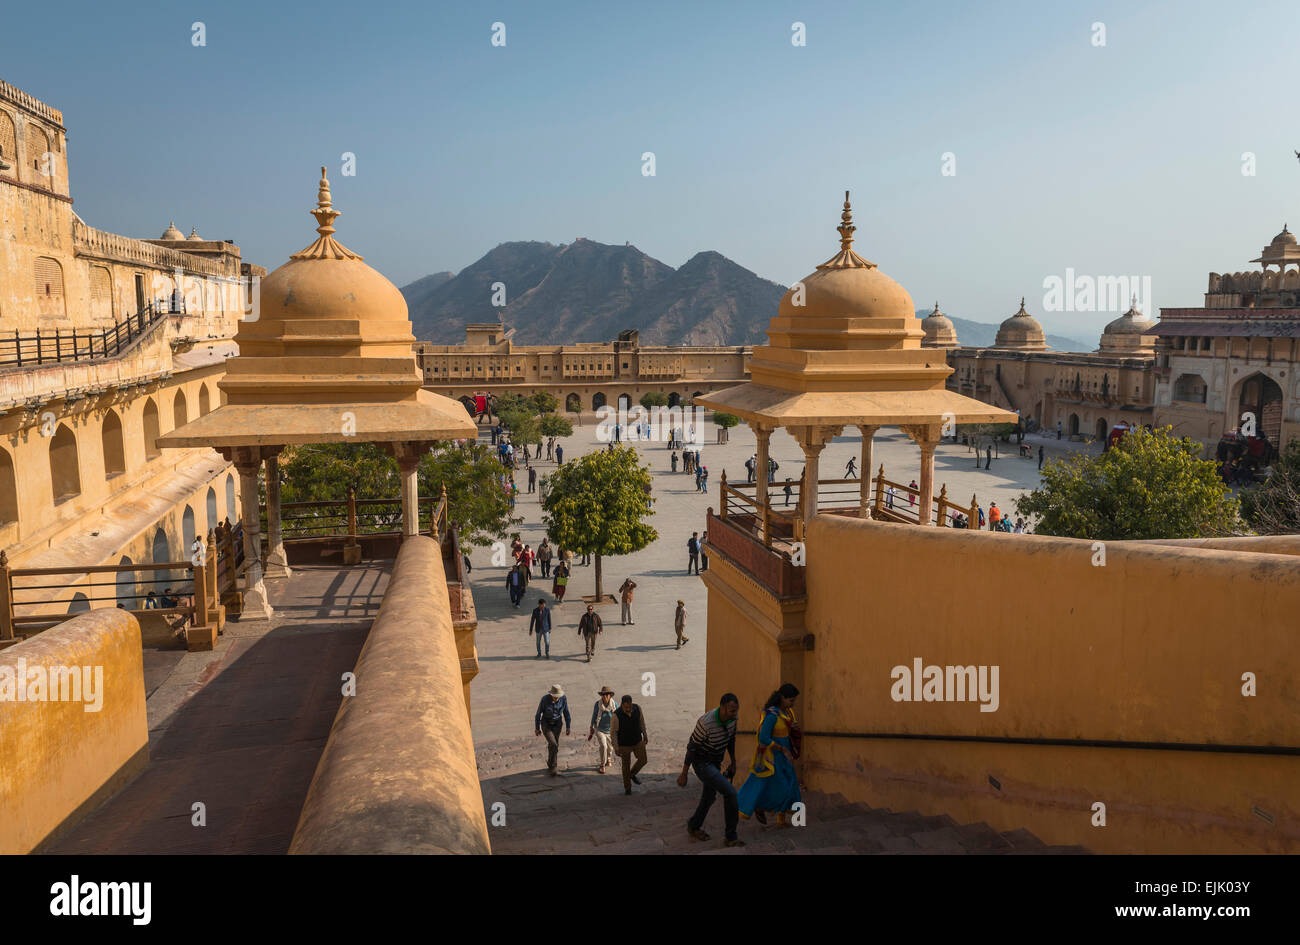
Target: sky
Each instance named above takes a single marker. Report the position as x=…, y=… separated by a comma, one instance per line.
x=1122, y=159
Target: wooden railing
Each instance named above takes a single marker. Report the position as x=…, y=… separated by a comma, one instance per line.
x=351, y=518
x=210, y=577
x=45, y=346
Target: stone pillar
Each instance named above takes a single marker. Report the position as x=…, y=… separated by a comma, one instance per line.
x=408, y=462
x=248, y=460
x=277, y=562
x=812, y=440
x=926, y=436
x=864, y=489
x=763, y=435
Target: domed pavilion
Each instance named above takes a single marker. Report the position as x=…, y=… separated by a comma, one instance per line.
x=324, y=357
x=1130, y=334
x=845, y=350
x=1021, y=332
x=939, y=330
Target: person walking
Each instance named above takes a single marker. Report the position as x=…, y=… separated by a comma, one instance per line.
x=589, y=627
x=559, y=455
x=560, y=581
x=515, y=583
x=544, y=555
x=851, y=469
x=552, y=714
x=980, y=520
x=625, y=595
x=693, y=550
x=602, y=714
x=889, y=497
x=526, y=558
x=679, y=624
x=751, y=466
x=772, y=784
x=627, y=729
x=673, y=460
x=988, y=456
x=911, y=492
x=1040, y=457
x=540, y=622
x=713, y=739
x=995, y=517
x=532, y=479
x=788, y=490
x=1058, y=429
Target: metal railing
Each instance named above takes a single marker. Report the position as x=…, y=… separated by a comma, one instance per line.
x=52, y=346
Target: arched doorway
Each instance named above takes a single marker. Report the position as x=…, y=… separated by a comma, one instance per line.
x=232, y=512
x=597, y=400
x=1102, y=430
x=65, y=472
x=624, y=402
x=212, y=508
x=151, y=429
x=674, y=399
x=111, y=441
x=573, y=404
x=1074, y=424
x=1261, y=398
x=187, y=533
x=180, y=411
x=205, y=401
x=126, y=586
x=8, y=489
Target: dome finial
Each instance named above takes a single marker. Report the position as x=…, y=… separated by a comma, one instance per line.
x=325, y=247
x=1022, y=307
x=846, y=258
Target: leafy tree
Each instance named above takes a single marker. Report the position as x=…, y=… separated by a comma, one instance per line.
x=555, y=425
x=725, y=420
x=595, y=505
x=322, y=472
x=506, y=403
x=654, y=398
x=476, y=499
x=544, y=402
x=523, y=426
x=1150, y=485
x=1273, y=508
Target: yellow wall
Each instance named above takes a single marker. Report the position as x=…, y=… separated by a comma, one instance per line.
x=1150, y=647
x=57, y=761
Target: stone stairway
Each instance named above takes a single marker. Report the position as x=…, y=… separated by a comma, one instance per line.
x=579, y=811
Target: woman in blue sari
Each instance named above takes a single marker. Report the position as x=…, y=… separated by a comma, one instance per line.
x=772, y=784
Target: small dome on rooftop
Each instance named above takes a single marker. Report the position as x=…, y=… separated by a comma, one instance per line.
x=939, y=330
x=171, y=233
x=1021, y=331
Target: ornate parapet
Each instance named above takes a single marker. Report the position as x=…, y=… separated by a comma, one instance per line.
x=99, y=244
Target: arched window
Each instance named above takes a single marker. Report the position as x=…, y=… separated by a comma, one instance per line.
x=598, y=400
x=65, y=474
x=232, y=512
x=114, y=451
x=38, y=145
x=8, y=489
x=48, y=287
x=101, y=293
x=573, y=404
x=212, y=508
x=188, y=533
x=205, y=401
x=162, y=553
x=180, y=411
x=80, y=604
x=1190, y=388
x=8, y=144
x=151, y=431
x=624, y=401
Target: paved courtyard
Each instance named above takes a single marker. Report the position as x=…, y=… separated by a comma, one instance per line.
x=511, y=680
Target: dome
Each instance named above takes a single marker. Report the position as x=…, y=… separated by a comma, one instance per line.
x=939, y=330
x=194, y=234
x=1131, y=322
x=1281, y=251
x=1285, y=238
x=1021, y=331
x=846, y=286
x=171, y=233
x=1131, y=333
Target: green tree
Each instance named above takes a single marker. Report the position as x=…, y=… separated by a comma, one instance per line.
x=476, y=499
x=574, y=407
x=544, y=402
x=725, y=420
x=523, y=426
x=654, y=398
x=1273, y=508
x=1149, y=485
x=510, y=402
x=554, y=425
x=595, y=504
x=322, y=472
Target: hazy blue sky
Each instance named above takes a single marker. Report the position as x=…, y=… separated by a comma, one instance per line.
x=1122, y=160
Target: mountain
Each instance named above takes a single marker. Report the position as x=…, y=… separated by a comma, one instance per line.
x=589, y=291
x=982, y=335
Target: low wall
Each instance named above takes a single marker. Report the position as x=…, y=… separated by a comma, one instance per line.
x=1118, y=683
x=57, y=760
x=398, y=773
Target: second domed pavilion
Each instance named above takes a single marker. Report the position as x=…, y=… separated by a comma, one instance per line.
x=325, y=357
x=845, y=350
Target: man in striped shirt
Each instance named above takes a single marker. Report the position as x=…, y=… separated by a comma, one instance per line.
x=714, y=738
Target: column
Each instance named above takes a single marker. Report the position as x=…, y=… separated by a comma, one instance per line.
x=812, y=440
x=864, y=493
x=408, y=462
x=926, y=436
x=248, y=460
x=763, y=435
x=277, y=562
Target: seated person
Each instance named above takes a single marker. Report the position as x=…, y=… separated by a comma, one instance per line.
x=168, y=598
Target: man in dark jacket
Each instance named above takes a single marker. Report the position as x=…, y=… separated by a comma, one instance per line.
x=541, y=623
x=552, y=713
x=516, y=582
x=627, y=729
x=588, y=627
x=693, y=549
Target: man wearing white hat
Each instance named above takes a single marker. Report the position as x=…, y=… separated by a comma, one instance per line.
x=552, y=714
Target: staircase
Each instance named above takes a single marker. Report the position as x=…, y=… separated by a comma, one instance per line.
x=579, y=811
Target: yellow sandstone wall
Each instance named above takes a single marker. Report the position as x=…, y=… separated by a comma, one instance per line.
x=1149, y=648
x=398, y=773
x=58, y=761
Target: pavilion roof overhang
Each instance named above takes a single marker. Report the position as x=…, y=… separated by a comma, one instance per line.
x=770, y=406
x=427, y=417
